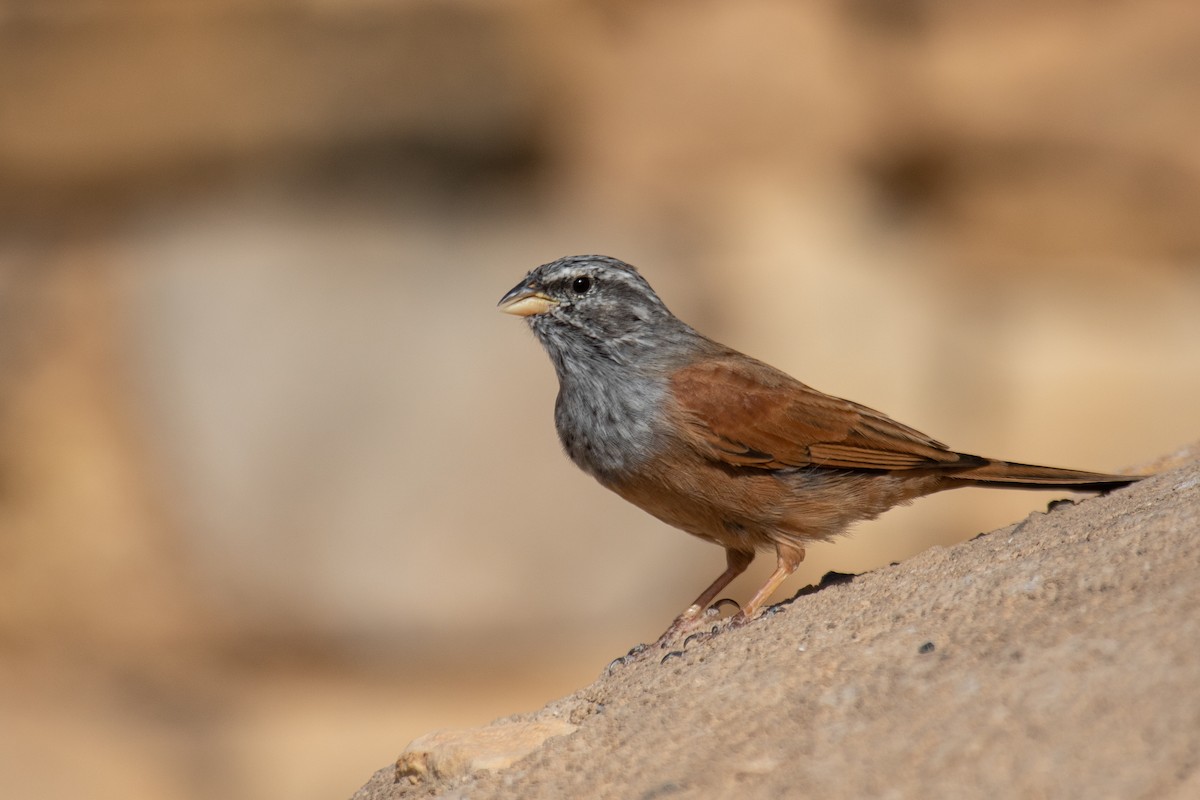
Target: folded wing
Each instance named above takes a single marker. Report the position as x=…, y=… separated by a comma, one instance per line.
x=748, y=414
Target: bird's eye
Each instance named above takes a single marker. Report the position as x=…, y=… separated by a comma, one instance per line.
x=581, y=284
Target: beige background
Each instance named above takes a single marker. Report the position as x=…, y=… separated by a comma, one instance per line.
x=279, y=490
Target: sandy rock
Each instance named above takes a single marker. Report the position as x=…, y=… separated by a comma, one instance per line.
x=1056, y=657
x=452, y=753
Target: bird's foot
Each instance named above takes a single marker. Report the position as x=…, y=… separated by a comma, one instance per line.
x=634, y=653
x=692, y=619
x=688, y=622
x=686, y=625
x=741, y=619
x=714, y=611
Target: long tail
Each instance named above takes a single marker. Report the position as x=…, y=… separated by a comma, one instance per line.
x=1029, y=476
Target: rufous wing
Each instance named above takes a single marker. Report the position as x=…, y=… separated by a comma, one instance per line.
x=748, y=414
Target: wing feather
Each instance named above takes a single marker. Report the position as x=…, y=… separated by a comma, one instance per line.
x=748, y=414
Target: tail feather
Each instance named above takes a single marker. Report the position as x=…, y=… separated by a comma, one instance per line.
x=1031, y=476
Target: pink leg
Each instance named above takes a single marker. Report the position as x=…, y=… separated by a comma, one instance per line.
x=789, y=559
x=736, y=561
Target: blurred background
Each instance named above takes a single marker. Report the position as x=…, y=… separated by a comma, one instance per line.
x=280, y=490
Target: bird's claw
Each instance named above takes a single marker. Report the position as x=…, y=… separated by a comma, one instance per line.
x=628, y=658
x=700, y=636
x=715, y=609
x=670, y=655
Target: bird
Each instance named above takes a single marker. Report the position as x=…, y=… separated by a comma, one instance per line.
x=721, y=445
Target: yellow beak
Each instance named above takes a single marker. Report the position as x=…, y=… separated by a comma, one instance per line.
x=524, y=301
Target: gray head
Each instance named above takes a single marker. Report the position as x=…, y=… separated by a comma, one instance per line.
x=596, y=308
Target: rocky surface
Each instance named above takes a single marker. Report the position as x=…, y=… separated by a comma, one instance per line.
x=1057, y=657
x=267, y=451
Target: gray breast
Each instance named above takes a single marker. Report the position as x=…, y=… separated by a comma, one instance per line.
x=607, y=423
